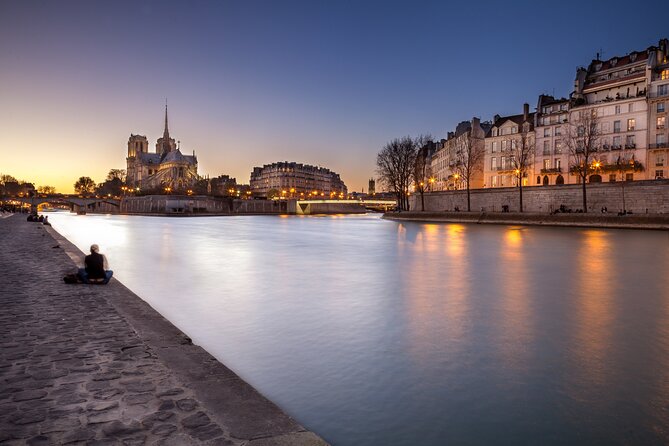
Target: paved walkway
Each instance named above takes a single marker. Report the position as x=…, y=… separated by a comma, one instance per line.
x=86, y=364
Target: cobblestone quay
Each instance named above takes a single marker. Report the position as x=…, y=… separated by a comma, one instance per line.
x=91, y=364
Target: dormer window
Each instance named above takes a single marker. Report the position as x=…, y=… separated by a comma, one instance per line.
x=614, y=62
x=632, y=57
x=598, y=67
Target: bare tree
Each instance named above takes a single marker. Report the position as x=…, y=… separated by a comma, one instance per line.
x=468, y=161
x=84, y=185
x=624, y=163
x=46, y=190
x=422, y=168
x=582, y=140
x=395, y=165
x=522, y=157
x=116, y=174
x=4, y=178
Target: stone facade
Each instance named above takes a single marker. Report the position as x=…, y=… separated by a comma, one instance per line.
x=618, y=91
x=295, y=180
x=443, y=165
x=166, y=169
x=658, y=122
x=500, y=147
x=640, y=196
x=551, y=162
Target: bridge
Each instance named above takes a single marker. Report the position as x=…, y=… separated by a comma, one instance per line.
x=77, y=204
x=379, y=205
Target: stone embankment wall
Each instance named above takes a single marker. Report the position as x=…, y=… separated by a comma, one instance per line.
x=259, y=207
x=640, y=197
x=172, y=204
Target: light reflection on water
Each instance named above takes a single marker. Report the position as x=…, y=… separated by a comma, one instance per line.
x=372, y=332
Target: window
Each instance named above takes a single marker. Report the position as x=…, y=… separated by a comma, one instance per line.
x=493, y=180
x=547, y=164
x=494, y=146
x=616, y=142
x=617, y=109
x=547, y=131
x=616, y=126
x=629, y=177
x=493, y=164
x=659, y=139
x=659, y=159
x=659, y=173
x=547, y=147
x=631, y=124
x=514, y=129
x=612, y=178
x=504, y=145
x=660, y=107
x=558, y=147
x=580, y=131
x=630, y=108
x=558, y=131
x=662, y=90
x=563, y=106
x=661, y=121
x=630, y=143
x=557, y=163
x=664, y=74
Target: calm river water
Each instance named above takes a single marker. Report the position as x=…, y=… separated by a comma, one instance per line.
x=372, y=332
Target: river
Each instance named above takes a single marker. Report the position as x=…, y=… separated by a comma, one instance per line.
x=373, y=332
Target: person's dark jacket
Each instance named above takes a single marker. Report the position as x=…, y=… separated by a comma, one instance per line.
x=95, y=265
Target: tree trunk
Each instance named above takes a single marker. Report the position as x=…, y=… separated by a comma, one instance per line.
x=469, y=205
x=585, y=200
x=520, y=188
x=623, y=187
x=422, y=201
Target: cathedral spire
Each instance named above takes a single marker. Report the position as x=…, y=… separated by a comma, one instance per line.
x=166, y=132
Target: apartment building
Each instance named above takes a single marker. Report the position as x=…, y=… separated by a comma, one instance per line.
x=501, y=142
x=618, y=91
x=657, y=162
x=296, y=180
x=450, y=151
x=551, y=161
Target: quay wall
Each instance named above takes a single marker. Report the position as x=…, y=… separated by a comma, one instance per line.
x=174, y=204
x=640, y=197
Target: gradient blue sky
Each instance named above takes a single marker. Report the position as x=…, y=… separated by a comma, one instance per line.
x=254, y=82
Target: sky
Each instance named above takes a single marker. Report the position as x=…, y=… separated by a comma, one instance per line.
x=249, y=83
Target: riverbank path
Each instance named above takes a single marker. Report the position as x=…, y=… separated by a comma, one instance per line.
x=87, y=364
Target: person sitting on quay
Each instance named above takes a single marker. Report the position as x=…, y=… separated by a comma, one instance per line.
x=96, y=268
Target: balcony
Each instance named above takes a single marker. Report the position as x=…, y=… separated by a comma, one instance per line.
x=630, y=146
x=659, y=94
x=661, y=145
x=551, y=170
x=503, y=169
x=547, y=152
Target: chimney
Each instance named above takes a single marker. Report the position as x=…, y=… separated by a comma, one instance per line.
x=495, y=118
x=526, y=111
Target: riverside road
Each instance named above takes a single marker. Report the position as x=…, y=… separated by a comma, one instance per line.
x=96, y=365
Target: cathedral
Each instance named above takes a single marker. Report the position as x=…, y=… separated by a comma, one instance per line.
x=166, y=168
